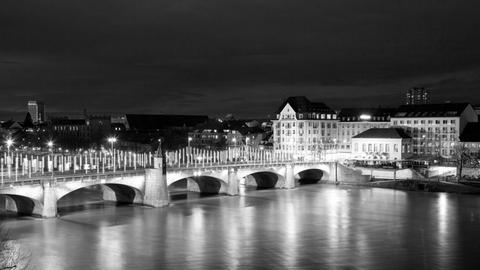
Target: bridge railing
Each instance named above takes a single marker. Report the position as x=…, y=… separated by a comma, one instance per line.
x=197, y=158
x=17, y=166
x=95, y=178
x=20, y=166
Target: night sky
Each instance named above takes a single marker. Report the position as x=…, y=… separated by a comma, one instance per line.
x=229, y=56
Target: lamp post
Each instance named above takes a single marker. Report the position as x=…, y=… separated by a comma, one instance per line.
x=234, y=140
x=112, y=140
x=9, y=142
x=189, y=140
x=50, y=149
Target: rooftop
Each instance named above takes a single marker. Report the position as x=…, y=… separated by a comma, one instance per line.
x=383, y=133
x=68, y=122
x=432, y=110
x=301, y=104
x=366, y=114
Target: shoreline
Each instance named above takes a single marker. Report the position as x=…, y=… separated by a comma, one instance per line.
x=419, y=185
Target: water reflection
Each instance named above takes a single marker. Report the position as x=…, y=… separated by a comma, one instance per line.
x=316, y=226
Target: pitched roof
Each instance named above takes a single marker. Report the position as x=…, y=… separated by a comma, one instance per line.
x=301, y=104
x=68, y=122
x=471, y=133
x=374, y=113
x=432, y=110
x=383, y=133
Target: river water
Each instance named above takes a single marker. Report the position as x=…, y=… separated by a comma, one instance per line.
x=310, y=227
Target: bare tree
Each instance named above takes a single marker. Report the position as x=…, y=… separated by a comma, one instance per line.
x=11, y=255
x=464, y=157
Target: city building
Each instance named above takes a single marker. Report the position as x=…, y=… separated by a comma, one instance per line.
x=147, y=129
x=353, y=121
x=435, y=128
x=382, y=144
x=302, y=126
x=229, y=133
x=417, y=96
x=37, y=111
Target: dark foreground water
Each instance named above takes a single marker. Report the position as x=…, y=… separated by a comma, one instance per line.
x=311, y=227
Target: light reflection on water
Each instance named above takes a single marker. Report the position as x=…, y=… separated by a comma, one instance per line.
x=312, y=226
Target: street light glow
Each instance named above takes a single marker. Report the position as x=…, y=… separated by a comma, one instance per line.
x=9, y=142
x=112, y=140
x=50, y=144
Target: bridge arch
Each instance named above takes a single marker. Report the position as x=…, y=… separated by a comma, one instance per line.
x=207, y=183
x=263, y=178
x=22, y=205
x=312, y=173
x=121, y=193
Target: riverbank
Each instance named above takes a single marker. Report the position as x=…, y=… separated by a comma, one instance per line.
x=423, y=185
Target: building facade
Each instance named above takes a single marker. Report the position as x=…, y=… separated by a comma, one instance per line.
x=37, y=111
x=435, y=128
x=417, y=96
x=302, y=127
x=353, y=121
x=382, y=144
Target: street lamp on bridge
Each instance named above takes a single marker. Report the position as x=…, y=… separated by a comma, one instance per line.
x=9, y=142
x=189, y=140
x=50, y=145
x=112, y=140
x=50, y=149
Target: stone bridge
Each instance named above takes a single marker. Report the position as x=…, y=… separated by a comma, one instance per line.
x=149, y=186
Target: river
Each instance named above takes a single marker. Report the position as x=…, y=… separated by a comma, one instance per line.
x=311, y=227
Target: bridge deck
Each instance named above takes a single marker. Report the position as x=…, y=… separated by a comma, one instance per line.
x=86, y=175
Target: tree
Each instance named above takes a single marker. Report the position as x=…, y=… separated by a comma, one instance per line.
x=28, y=122
x=464, y=157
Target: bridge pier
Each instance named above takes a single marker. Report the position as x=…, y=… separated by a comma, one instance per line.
x=10, y=205
x=156, y=192
x=192, y=185
x=233, y=183
x=108, y=194
x=49, y=200
x=289, y=177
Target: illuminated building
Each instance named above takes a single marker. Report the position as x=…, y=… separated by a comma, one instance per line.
x=435, y=128
x=37, y=111
x=382, y=144
x=417, y=96
x=353, y=121
x=302, y=126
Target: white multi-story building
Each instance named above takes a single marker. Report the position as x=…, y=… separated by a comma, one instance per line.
x=353, y=121
x=303, y=127
x=435, y=128
x=382, y=144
